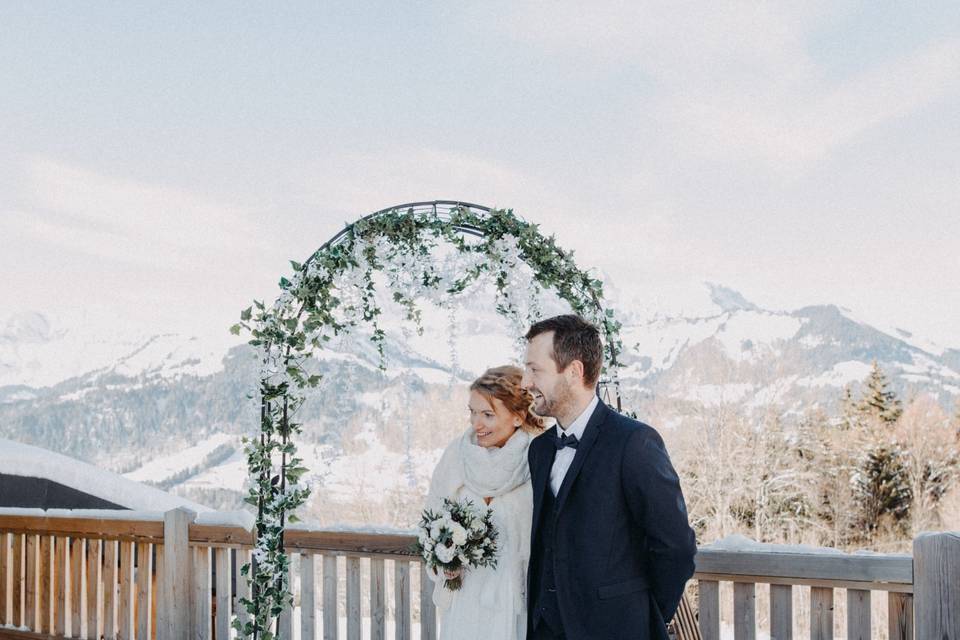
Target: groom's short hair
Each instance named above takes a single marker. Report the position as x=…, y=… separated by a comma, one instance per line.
x=573, y=339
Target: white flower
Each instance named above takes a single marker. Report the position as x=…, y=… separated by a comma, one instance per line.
x=459, y=535
x=444, y=554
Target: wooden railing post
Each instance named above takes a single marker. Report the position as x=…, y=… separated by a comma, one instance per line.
x=936, y=586
x=174, y=602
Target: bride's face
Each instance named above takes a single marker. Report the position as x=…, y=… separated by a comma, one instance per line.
x=491, y=420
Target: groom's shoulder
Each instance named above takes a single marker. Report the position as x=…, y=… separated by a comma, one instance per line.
x=627, y=427
x=543, y=439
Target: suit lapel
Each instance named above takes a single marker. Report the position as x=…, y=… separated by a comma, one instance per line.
x=543, y=461
x=590, y=433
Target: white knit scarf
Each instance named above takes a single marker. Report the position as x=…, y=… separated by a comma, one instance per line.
x=493, y=471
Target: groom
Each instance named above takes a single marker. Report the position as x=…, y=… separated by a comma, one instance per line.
x=611, y=546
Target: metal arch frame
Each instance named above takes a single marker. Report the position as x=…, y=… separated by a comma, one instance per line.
x=441, y=209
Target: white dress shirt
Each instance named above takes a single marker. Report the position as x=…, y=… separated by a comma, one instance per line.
x=565, y=456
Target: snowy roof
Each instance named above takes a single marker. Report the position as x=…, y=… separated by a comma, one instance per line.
x=27, y=461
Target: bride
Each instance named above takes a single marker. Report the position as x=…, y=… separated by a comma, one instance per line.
x=488, y=465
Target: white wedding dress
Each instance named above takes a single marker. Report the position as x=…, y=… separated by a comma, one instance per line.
x=491, y=604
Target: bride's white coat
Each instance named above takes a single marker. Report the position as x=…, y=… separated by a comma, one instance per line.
x=491, y=605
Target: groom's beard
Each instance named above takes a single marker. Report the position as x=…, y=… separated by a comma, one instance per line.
x=557, y=404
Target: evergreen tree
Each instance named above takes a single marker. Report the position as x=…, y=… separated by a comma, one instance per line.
x=877, y=400
x=850, y=408
x=883, y=486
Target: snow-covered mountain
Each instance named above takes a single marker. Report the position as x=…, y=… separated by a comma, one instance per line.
x=171, y=409
x=738, y=353
x=36, y=354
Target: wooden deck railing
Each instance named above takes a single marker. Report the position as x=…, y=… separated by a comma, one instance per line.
x=821, y=575
x=175, y=576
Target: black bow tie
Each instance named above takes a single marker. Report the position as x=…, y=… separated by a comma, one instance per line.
x=566, y=441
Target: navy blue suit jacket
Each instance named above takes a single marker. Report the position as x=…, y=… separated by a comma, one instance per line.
x=623, y=547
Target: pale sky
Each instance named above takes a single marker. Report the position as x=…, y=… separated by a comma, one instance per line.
x=161, y=162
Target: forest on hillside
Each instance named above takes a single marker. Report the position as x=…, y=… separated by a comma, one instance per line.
x=872, y=475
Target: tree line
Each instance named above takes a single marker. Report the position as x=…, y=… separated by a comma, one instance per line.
x=871, y=474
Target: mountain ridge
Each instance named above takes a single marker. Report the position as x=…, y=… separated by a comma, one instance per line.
x=168, y=392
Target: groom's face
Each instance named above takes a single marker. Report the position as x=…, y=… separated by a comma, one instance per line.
x=550, y=387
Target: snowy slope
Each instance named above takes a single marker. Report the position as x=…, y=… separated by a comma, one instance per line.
x=166, y=468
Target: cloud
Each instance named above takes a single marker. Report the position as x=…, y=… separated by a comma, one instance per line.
x=882, y=94
x=588, y=215
x=800, y=127
x=358, y=183
x=675, y=42
x=128, y=221
x=737, y=82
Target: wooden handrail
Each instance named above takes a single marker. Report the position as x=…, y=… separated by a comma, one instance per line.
x=352, y=543
x=84, y=527
x=882, y=572
x=220, y=535
x=866, y=571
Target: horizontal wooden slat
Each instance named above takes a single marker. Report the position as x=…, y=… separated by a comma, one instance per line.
x=818, y=566
x=370, y=544
x=892, y=587
x=13, y=634
x=215, y=535
x=84, y=527
x=338, y=542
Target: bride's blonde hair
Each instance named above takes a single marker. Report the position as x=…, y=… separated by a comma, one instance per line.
x=503, y=383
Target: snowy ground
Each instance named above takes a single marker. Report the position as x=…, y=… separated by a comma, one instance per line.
x=165, y=467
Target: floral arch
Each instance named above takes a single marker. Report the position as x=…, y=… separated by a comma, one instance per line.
x=335, y=291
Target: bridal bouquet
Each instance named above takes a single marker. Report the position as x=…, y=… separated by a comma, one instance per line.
x=457, y=536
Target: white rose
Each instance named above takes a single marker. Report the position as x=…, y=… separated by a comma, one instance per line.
x=459, y=535
x=444, y=554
